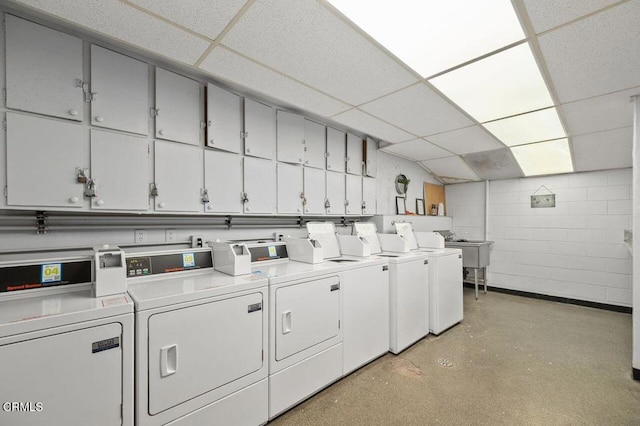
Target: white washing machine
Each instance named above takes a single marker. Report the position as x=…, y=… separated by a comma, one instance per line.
x=201, y=341
x=305, y=333
x=408, y=291
x=66, y=356
x=445, y=282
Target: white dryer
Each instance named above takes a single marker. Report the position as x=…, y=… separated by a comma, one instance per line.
x=201, y=341
x=445, y=282
x=408, y=290
x=67, y=356
x=305, y=333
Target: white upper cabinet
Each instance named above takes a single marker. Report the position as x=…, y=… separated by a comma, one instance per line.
x=177, y=108
x=314, y=144
x=371, y=158
x=120, y=171
x=224, y=120
x=119, y=92
x=368, y=195
x=223, y=182
x=259, y=186
x=290, y=134
x=259, y=130
x=314, y=191
x=353, y=195
x=44, y=159
x=44, y=70
x=336, y=151
x=290, y=189
x=336, y=197
x=354, y=154
x=178, y=177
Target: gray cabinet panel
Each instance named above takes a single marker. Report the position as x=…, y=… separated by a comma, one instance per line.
x=44, y=70
x=224, y=120
x=371, y=163
x=260, y=130
x=178, y=108
x=336, y=150
x=290, y=188
x=354, y=154
x=353, y=195
x=335, y=193
x=42, y=158
x=314, y=144
x=259, y=186
x=314, y=191
x=120, y=168
x=290, y=136
x=178, y=177
x=223, y=181
x=119, y=87
x=368, y=195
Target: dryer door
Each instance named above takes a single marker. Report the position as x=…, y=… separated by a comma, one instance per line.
x=196, y=349
x=70, y=378
x=307, y=313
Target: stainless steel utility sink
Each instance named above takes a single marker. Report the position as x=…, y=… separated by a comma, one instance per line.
x=475, y=254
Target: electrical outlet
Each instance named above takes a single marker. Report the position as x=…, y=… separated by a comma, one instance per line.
x=140, y=236
x=169, y=235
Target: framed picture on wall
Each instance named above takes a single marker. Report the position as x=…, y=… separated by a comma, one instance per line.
x=420, y=206
x=401, y=205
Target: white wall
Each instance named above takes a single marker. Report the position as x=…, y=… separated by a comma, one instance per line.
x=390, y=166
x=466, y=205
x=574, y=250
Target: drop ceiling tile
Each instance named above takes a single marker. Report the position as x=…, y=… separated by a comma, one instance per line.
x=417, y=150
x=603, y=150
x=305, y=40
x=419, y=110
x=365, y=123
x=451, y=169
x=234, y=68
x=535, y=126
x=128, y=24
x=547, y=14
x=595, y=56
x=467, y=140
x=208, y=18
x=600, y=113
x=494, y=165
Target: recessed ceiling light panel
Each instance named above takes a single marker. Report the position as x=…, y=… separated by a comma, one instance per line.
x=526, y=128
x=544, y=158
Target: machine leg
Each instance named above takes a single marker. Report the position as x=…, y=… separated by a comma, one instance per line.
x=484, y=274
x=475, y=279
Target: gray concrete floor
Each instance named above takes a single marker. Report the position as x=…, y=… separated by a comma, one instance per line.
x=513, y=361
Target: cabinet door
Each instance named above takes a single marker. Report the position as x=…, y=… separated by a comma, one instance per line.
x=177, y=107
x=354, y=154
x=314, y=191
x=179, y=176
x=336, y=151
x=44, y=70
x=119, y=87
x=335, y=193
x=120, y=167
x=290, y=134
x=223, y=181
x=354, y=195
x=43, y=156
x=259, y=130
x=371, y=163
x=369, y=195
x=224, y=119
x=259, y=186
x=290, y=190
x=314, y=144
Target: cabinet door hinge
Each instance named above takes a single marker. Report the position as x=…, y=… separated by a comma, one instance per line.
x=154, y=112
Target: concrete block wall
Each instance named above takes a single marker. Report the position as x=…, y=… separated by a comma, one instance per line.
x=574, y=250
x=466, y=205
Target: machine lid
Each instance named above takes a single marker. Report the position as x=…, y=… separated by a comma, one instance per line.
x=369, y=231
x=325, y=233
x=406, y=230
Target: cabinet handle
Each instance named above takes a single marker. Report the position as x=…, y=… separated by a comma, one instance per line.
x=74, y=200
x=162, y=205
x=286, y=322
x=161, y=132
x=99, y=119
x=100, y=202
x=73, y=112
x=168, y=360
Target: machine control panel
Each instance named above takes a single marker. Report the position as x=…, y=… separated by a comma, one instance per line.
x=49, y=274
x=263, y=252
x=163, y=263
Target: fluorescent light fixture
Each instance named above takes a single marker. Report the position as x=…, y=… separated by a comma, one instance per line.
x=535, y=126
x=544, y=158
x=433, y=36
x=498, y=86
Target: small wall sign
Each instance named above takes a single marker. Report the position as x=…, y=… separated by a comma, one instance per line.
x=543, y=200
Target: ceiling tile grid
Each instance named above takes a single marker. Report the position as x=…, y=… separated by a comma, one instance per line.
x=547, y=14
x=419, y=110
x=467, y=140
x=604, y=150
x=231, y=67
x=417, y=150
x=127, y=24
x=365, y=123
x=493, y=165
x=338, y=60
x=595, y=56
x=207, y=18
